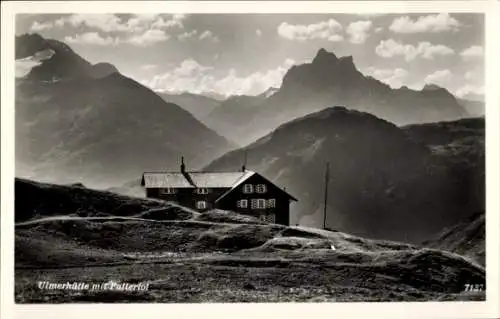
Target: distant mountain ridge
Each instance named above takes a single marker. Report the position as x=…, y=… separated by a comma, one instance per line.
x=199, y=106
x=473, y=104
x=329, y=80
x=77, y=122
x=474, y=108
x=385, y=181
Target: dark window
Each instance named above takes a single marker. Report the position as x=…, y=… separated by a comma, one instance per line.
x=242, y=203
x=202, y=191
x=258, y=203
x=201, y=204
x=261, y=188
x=271, y=203
x=168, y=190
x=248, y=188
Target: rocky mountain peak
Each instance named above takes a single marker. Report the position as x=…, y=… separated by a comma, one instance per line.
x=438, y=91
x=29, y=44
x=326, y=71
x=103, y=69
x=324, y=56
x=431, y=87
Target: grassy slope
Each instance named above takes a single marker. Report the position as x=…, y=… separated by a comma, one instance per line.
x=216, y=256
x=466, y=238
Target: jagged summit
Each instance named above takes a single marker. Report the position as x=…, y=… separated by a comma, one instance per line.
x=28, y=44
x=431, y=87
x=324, y=55
x=324, y=72
x=347, y=59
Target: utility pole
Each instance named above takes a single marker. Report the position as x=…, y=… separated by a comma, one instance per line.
x=327, y=179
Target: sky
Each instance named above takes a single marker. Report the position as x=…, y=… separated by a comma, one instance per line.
x=232, y=54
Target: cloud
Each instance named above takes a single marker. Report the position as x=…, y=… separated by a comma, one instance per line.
x=91, y=38
x=148, y=67
x=469, y=75
x=440, y=77
x=103, y=22
x=175, y=21
x=147, y=38
x=358, y=31
x=190, y=67
x=431, y=23
x=254, y=83
x=59, y=22
x=475, y=76
x=469, y=89
x=475, y=51
x=258, y=32
x=113, y=23
x=205, y=35
x=140, y=22
x=187, y=35
x=325, y=30
x=188, y=76
x=289, y=62
x=37, y=26
x=390, y=48
x=193, y=77
x=208, y=35
x=393, y=77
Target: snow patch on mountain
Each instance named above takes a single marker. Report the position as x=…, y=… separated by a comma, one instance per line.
x=25, y=65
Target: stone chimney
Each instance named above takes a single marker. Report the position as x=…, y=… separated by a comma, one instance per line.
x=183, y=167
x=244, y=166
x=186, y=174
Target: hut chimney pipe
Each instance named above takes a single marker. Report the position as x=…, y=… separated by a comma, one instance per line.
x=183, y=167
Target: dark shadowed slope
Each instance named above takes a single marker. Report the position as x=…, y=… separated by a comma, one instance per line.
x=330, y=80
x=458, y=147
x=50, y=201
x=216, y=256
x=466, y=238
x=385, y=183
x=78, y=122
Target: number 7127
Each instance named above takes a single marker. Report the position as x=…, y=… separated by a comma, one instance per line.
x=473, y=287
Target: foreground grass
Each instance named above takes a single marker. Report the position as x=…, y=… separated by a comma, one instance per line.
x=205, y=261
x=229, y=279
x=68, y=234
